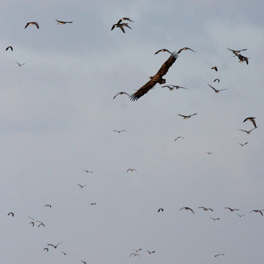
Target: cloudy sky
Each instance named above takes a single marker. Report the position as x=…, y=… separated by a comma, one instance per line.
x=57, y=117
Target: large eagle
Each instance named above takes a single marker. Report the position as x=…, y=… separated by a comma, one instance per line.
x=157, y=78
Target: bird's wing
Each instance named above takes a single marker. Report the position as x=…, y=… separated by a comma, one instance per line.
x=143, y=90
x=122, y=28
x=37, y=25
x=26, y=25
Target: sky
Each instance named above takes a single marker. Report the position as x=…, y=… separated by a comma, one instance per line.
x=58, y=117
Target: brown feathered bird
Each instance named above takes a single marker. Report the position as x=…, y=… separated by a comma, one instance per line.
x=157, y=78
x=252, y=119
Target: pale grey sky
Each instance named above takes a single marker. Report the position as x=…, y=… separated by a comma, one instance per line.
x=57, y=117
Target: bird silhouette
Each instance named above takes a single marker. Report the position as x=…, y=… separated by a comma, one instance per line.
x=120, y=94
x=87, y=171
x=187, y=208
x=20, y=64
x=55, y=246
x=185, y=48
x=257, y=211
x=217, y=91
x=63, y=22
x=178, y=138
x=247, y=131
x=121, y=26
x=187, y=117
x=31, y=24
x=130, y=169
x=119, y=131
x=160, y=210
x=162, y=50
x=214, y=68
x=9, y=47
x=206, y=209
x=82, y=186
x=11, y=213
x=215, y=219
x=151, y=252
x=231, y=209
x=242, y=145
x=252, y=119
x=171, y=87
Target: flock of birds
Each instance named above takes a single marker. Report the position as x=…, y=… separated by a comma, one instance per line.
x=156, y=79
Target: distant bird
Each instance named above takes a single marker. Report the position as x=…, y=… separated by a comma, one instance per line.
x=120, y=94
x=41, y=224
x=242, y=144
x=216, y=80
x=32, y=223
x=187, y=208
x=121, y=26
x=247, y=131
x=257, y=211
x=160, y=210
x=63, y=22
x=87, y=171
x=214, y=68
x=131, y=170
x=83, y=261
x=240, y=215
x=187, y=117
x=231, y=209
x=92, y=203
x=171, y=87
x=178, y=138
x=64, y=253
x=11, y=213
x=215, y=219
x=134, y=254
x=47, y=205
x=31, y=24
x=119, y=131
x=209, y=153
x=34, y=220
x=252, y=119
x=236, y=51
x=9, y=47
x=151, y=252
x=137, y=250
x=162, y=50
x=157, y=78
x=217, y=255
x=242, y=58
x=206, y=209
x=123, y=19
x=217, y=91
x=46, y=249
x=55, y=245
x=185, y=48
x=20, y=64
x=82, y=186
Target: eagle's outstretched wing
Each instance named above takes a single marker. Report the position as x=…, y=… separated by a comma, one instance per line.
x=157, y=78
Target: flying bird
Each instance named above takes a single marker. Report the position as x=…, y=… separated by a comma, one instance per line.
x=83, y=261
x=209, y=153
x=215, y=219
x=41, y=224
x=187, y=117
x=55, y=245
x=171, y=87
x=20, y=64
x=46, y=249
x=9, y=47
x=178, y=138
x=240, y=215
x=217, y=91
x=82, y=185
x=242, y=145
x=236, y=51
x=242, y=58
x=11, y=213
x=34, y=220
x=248, y=131
x=87, y=171
x=63, y=22
x=157, y=78
x=92, y=203
x=231, y=209
x=151, y=252
x=47, y=205
x=123, y=19
x=137, y=250
x=214, y=68
x=131, y=170
x=206, y=209
x=160, y=210
x=217, y=255
x=134, y=254
x=31, y=24
x=119, y=131
x=252, y=119
x=64, y=253
x=257, y=211
x=187, y=208
x=121, y=26
x=162, y=50
x=216, y=80
x=185, y=48
x=120, y=94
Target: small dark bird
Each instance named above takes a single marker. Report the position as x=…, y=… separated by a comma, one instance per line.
x=217, y=255
x=131, y=170
x=46, y=249
x=171, y=87
x=9, y=47
x=240, y=215
x=215, y=219
x=137, y=250
x=252, y=119
x=87, y=171
x=151, y=252
x=82, y=186
x=92, y=203
x=216, y=80
x=185, y=48
x=31, y=24
x=121, y=26
x=162, y=50
x=214, y=68
x=242, y=58
x=231, y=210
x=187, y=208
x=120, y=94
x=63, y=22
x=20, y=64
x=123, y=19
x=187, y=117
x=209, y=153
x=217, y=91
x=236, y=51
x=47, y=205
x=55, y=245
x=247, y=131
x=257, y=211
x=41, y=224
x=119, y=131
x=206, y=209
x=83, y=261
x=160, y=210
x=32, y=223
x=178, y=138
x=134, y=254
x=242, y=145
x=11, y=213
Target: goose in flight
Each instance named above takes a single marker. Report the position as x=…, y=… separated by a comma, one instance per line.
x=46, y=249
x=82, y=186
x=31, y=24
x=247, y=131
x=119, y=131
x=178, y=138
x=47, y=205
x=231, y=209
x=64, y=253
x=187, y=208
x=134, y=254
x=20, y=64
x=185, y=48
x=123, y=19
x=257, y=211
x=252, y=119
x=240, y=215
x=120, y=94
x=206, y=209
x=63, y=22
x=217, y=91
x=87, y=171
x=216, y=80
x=162, y=50
x=9, y=47
x=137, y=250
x=215, y=219
x=160, y=210
x=11, y=213
x=242, y=145
x=187, y=117
x=217, y=255
x=121, y=26
x=130, y=169
x=236, y=51
x=214, y=68
x=151, y=252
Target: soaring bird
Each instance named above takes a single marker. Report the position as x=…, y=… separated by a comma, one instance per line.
x=231, y=209
x=185, y=48
x=157, y=78
x=82, y=185
x=63, y=22
x=134, y=254
x=214, y=68
x=252, y=119
x=187, y=117
x=92, y=203
x=55, y=246
x=151, y=252
x=187, y=208
x=217, y=255
x=162, y=50
x=242, y=145
x=46, y=249
x=34, y=220
x=209, y=153
x=121, y=26
x=41, y=224
x=9, y=47
x=247, y=131
x=257, y=211
x=236, y=51
x=120, y=94
x=47, y=205
x=87, y=171
x=217, y=91
x=178, y=138
x=215, y=219
x=206, y=209
x=160, y=210
x=240, y=215
x=216, y=80
x=130, y=169
x=11, y=213
x=20, y=64
x=171, y=87
x=31, y=24
x=124, y=18
x=119, y=131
